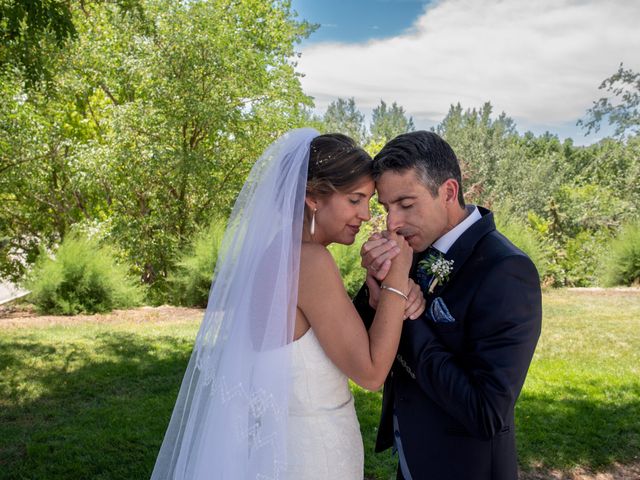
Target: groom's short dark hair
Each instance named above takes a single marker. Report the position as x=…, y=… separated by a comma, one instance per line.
x=427, y=153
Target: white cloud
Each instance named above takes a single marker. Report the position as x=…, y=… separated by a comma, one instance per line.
x=541, y=62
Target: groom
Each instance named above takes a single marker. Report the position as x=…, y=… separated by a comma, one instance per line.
x=448, y=402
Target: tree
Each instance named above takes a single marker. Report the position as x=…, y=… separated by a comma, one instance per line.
x=621, y=107
x=388, y=123
x=214, y=86
x=31, y=31
x=343, y=116
x=148, y=125
x=45, y=186
x=482, y=145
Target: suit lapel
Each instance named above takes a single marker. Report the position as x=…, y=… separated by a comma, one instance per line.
x=464, y=246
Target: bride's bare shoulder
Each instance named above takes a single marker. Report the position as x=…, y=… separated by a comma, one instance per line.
x=316, y=258
x=319, y=276
x=311, y=251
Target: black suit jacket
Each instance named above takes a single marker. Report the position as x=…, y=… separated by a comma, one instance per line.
x=454, y=385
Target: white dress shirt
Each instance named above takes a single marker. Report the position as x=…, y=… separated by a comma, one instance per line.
x=443, y=244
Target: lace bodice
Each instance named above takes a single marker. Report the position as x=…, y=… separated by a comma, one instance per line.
x=317, y=384
x=324, y=439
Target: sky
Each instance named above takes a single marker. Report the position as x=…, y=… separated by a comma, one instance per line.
x=540, y=61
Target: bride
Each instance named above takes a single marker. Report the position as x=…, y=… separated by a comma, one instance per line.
x=266, y=393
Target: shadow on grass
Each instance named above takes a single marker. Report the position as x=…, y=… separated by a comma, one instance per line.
x=106, y=418
x=556, y=431
x=99, y=419
x=573, y=428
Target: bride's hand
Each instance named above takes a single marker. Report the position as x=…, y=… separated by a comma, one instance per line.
x=377, y=253
x=416, y=304
x=404, y=258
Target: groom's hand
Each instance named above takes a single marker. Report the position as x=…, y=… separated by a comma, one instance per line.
x=416, y=304
x=377, y=253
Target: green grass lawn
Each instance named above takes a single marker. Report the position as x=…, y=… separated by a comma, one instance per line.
x=91, y=399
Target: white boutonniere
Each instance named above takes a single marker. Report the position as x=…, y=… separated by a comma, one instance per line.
x=437, y=266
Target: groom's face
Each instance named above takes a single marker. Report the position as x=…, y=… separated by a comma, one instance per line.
x=412, y=211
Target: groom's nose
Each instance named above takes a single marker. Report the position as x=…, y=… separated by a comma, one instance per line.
x=393, y=222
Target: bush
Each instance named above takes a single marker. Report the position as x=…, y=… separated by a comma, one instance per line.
x=347, y=257
x=525, y=238
x=583, y=253
x=190, y=280
x=83, y=277
x=622, y=264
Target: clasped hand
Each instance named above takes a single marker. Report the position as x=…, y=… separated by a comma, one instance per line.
x=377, y=255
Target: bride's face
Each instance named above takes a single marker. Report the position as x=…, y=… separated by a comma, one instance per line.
x=339, y=215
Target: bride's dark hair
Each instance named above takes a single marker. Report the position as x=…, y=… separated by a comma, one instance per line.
x=336, y=163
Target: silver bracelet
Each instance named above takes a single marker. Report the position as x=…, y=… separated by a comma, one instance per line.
x=394, y=290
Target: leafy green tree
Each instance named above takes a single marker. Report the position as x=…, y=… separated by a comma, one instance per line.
x=343, y=116
x=531, y=171
x=205, y=106
x=482, y=144
x=589, y=207
x=149, y=124
x=621, y=106
x=613, y=164
x=389, y=122
x=33, y=31
x=45, y=185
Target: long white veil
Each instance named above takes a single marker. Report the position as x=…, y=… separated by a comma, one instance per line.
x=230, y=418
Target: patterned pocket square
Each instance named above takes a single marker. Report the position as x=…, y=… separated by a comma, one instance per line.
x=439, y=312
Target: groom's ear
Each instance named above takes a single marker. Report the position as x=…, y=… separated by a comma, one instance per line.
x=450, y=189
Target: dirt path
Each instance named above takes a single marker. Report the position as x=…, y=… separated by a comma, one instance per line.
x=615, y=472
x=605, y=292
x=24, y=316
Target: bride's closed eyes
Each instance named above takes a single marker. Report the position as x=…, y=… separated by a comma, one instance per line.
x=356, y=197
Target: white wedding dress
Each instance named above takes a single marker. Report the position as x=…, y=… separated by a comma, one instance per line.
x=324, y=440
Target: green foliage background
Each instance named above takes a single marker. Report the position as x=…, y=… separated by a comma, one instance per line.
x=144, y=126
x=83, y=277
x=190, y=280
x=138, y=121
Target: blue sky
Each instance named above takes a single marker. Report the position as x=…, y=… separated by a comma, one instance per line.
x=358, y=20
x=539, y=62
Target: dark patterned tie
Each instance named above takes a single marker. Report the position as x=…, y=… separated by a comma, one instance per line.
x=423, y=278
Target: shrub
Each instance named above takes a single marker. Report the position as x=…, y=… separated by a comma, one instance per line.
x=581, y=262
x=191, y=278
x=622, y=263
x=83, y=277
x=525, y=238
x=347, y=258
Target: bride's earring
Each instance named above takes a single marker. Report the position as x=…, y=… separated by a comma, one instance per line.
x=313, y=222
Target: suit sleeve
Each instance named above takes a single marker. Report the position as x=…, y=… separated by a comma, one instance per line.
x=361, y=302
x=503, y=323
